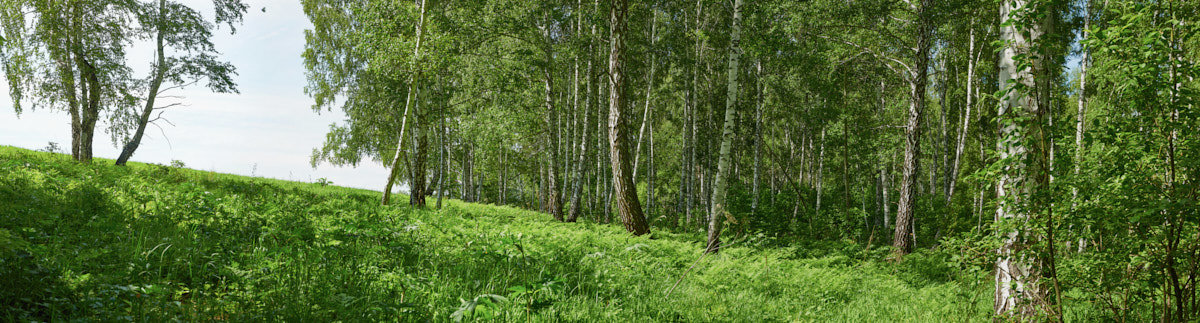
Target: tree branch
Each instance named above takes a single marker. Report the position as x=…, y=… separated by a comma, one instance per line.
x=885, y=59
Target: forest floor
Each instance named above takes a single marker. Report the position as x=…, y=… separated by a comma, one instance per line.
x=153, y=243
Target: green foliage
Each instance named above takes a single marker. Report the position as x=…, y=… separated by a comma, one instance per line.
x=157, y=243
x=56, y=53
x=482, y=304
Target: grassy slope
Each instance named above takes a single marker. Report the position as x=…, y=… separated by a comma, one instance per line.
x=148, y=242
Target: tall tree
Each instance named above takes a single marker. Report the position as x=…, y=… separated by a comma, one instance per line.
x=553, y=188
x=71, y=55
x=408, y=101
x=575, y=208
x=581, y=167
x=717, y=214
x=180, y=29
x=820, y=174
x=973, y=57
x=1082, y=107
x=628, y=207
x=56, y=59
x=758, y=136
x=917, y=77
x=444, y=161
x=692, y=108
x=899, y=36
x=1018, y=287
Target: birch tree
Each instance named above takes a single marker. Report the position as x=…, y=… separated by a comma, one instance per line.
x=71, y=55
x=1019, y=291
x=184, y=31
x=717, y=214
x=628, y=207
x=408, y=102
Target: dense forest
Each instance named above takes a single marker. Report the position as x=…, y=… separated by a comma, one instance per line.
x=1044, y=140
x=1038, y=147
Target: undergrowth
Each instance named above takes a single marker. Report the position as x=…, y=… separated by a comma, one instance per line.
x=155, y=243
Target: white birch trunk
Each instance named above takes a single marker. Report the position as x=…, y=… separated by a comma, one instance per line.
x=717, y=211
x=412, y=87
x=1017, y=289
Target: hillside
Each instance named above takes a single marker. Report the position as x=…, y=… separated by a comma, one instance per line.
x=151, y=242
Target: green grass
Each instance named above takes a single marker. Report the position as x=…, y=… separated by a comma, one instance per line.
x=151, y=243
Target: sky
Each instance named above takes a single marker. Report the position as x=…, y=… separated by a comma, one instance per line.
x=269, y=130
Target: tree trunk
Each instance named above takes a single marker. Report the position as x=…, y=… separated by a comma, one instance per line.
x=706, y=183
x=595, y=97
x=888, y=177
x=637, y=151
x=160, y=69
x=602, y=172
x=605, y=185
x=468, y=173
x=684, y=168
x=650, y=174
x=577, y=129
x=443, y=160
x=1082, y=110
x=804, y=148
x=943, y=141
x=67, y=59
x=1018, y=290
x=91, y=88
x=902, y=239
x=646, y=114
x=717, y=212
x=966, y=116
x=65, y=62
x=553, y=193
x=412, y=87
x=846, y=166
x=626, y=193
x=417, y=184
x=820, y=182
x=693, y=109
x=884, y=177
x=503, y=191
x=576, y=207
x=541, y=190
x=758, y=138
x=649, y=120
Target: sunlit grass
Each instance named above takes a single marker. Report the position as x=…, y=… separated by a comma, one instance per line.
x=151, y=242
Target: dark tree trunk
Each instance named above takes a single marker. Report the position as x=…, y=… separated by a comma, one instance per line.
x=84, y=134
x=553, y=193
x=417, y=184
x=160, y=69
x=468, y=174
x=628, y=207
x=903, y=238
x=443, y=161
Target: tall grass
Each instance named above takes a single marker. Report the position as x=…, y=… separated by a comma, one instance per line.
x=154, y=243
